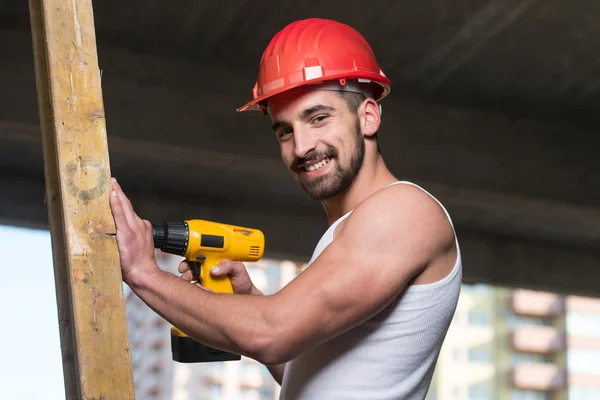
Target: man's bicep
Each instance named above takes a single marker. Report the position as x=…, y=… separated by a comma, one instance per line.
x=337, y=292
x=362, y=280
x=374, y=260
x=359, y=273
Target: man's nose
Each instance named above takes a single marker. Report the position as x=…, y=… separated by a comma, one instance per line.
x=304, y=143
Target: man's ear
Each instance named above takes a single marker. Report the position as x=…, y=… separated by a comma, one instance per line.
x=370, y=117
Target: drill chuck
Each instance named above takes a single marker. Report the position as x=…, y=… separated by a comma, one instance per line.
x=171, y=237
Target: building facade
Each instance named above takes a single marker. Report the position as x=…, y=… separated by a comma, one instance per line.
x=149, y=341
x=520, y=345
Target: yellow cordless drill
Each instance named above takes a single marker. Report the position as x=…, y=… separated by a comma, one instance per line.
x=204, y=244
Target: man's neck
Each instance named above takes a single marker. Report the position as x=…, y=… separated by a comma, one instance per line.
x=368, y=181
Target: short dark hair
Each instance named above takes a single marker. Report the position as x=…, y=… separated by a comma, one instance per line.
x=353, y=101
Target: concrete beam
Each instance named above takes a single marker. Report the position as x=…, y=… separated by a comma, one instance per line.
x=168, y=101
x=494, y=213
x=532, y=265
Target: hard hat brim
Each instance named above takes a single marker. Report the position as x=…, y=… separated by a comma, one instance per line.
x=257, y=104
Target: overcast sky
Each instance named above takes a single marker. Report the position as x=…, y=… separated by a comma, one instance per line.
x=30, y=364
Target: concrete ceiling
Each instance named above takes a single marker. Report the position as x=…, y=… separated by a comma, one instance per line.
x=493, y=109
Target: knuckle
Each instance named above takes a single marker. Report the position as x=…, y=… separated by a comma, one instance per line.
x=240, y=267
x=225, y=265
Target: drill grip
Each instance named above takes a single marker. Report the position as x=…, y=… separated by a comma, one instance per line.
x=201, y=272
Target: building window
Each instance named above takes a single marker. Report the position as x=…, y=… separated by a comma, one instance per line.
x=516, y=321
x=584, y=360
x=477, y=288
x=584, y=393
x=479, y=354
x=518, y=357
x=480, y=318
x=215, y=390
x=480, y=391
x=528, y=395
x=267, y=392
x=249, y=394
x=583, y=324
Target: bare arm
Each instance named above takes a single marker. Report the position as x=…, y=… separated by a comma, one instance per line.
x=359, y=273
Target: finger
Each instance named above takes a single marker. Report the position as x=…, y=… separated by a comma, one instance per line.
x=187, y=276
x=126, y=206
x=228, y=267
x=118, y=212
x=223, y=268
x=183, y=267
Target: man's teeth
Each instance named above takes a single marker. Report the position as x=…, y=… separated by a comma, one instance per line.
x=316, y=166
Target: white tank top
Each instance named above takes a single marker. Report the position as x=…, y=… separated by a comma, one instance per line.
x=390, y=356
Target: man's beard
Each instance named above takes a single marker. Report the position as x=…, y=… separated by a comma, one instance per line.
x=338, y=181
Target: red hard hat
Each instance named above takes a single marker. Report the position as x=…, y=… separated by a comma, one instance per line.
x=312, y=51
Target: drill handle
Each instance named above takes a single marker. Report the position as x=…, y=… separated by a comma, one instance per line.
x=201, y=272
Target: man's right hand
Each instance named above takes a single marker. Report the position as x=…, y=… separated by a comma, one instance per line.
x=240, y=280
x=242, y=284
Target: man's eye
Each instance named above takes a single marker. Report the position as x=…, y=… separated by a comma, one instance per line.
x=284, y=132
x=319, y=118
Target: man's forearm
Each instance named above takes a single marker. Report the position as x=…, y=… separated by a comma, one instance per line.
x=241, y=324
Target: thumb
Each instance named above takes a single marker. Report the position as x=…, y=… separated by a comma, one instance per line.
x=228, y=267
x=221, y=269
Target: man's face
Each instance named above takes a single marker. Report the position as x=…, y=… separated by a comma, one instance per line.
x=321, y=140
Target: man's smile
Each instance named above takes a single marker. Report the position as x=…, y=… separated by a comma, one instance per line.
x=314, y=165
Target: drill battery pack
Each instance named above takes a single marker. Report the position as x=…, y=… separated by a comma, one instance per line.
x=187, y=350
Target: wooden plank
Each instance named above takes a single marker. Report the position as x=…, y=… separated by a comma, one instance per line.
x=91, y=307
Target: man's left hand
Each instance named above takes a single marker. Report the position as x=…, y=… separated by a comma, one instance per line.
x=134, y=237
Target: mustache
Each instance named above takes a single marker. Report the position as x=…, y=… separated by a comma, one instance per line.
x=329, y=152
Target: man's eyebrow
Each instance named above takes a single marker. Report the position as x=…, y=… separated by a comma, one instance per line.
x=316, y=108
x=279, y=124
x=304, y=114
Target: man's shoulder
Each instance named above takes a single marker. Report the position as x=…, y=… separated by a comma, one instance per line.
x=400, y=199
x=400, y=208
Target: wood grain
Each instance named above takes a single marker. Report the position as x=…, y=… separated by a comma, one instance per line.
x=91, y=307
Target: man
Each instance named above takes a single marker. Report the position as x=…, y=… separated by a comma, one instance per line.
x=367, y=318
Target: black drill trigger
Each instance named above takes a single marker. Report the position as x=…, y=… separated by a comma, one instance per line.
x=196, y=265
